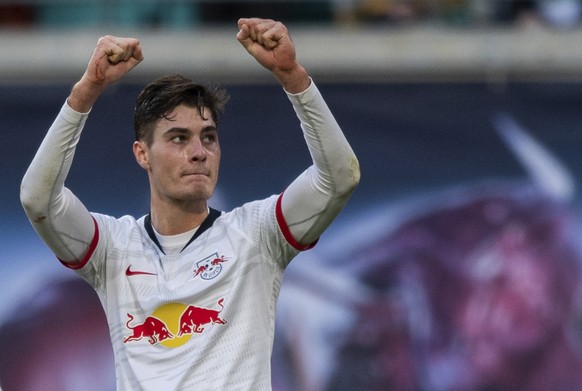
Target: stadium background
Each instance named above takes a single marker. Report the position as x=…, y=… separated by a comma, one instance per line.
x=417, y=87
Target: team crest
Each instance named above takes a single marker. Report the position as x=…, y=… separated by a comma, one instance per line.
x=209, y=267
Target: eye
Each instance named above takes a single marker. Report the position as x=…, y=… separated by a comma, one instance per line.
x=178, y=139
x=209, y=138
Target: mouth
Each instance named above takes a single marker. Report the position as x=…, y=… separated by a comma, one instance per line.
x=195, y=173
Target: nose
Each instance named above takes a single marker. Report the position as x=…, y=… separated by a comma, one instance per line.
x=197, y=151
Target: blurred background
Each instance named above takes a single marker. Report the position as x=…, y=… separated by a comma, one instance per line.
x=356, y=39
x=456, y=264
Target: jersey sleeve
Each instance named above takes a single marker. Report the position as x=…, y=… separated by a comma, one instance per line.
x=309, y=205
x=56, y=214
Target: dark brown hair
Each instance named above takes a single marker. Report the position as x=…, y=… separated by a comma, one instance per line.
x=163, y=95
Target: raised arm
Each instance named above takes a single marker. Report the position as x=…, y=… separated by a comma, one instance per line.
x=59, y=218
x=316, y=197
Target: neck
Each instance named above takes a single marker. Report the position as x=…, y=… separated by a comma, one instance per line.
x=174, y=219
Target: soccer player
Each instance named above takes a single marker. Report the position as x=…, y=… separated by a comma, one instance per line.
x=189, y=292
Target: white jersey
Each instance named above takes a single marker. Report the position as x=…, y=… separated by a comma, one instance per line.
x=196, y=320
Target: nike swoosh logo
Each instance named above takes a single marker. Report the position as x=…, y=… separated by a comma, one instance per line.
x=129, y=272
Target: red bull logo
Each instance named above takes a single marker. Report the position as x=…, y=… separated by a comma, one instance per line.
x=172, y=325
x=152, y=328
x=194, y=318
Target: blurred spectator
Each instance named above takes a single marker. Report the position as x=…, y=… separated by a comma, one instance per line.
x=298, y=11
x=513, y=11
x=456, y=12
x=183, y=14
x=125, y=13
x=15, y=15
x=555, y=13
x=560, y=13
x=375, y=11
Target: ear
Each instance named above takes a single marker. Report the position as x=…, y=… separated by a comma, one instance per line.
x=140, y=151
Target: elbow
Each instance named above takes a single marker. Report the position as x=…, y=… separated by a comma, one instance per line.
x=352, y=176
x=26, y=197
x=338, y=182
x=348, y=180
x=31, y=202
x=355, y=172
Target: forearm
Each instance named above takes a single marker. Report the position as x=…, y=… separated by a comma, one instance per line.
x=315, y=198
x=83, y=95
x=294, y=81
x=56, y=214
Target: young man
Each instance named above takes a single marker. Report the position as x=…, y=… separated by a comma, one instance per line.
x=189, y=292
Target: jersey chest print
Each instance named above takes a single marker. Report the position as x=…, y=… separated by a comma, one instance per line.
x=209, y=267
x=173, y=324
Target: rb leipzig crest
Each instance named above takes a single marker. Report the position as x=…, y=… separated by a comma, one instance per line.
x=209, y=267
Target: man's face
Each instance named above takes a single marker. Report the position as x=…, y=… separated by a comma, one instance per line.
x=183, y=159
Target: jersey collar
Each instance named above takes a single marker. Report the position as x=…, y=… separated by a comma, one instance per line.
x=207, y=223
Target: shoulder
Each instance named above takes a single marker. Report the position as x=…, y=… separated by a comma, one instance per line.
x=254, y=220
x=121, y=221
x=117, y=226
x=252, y=211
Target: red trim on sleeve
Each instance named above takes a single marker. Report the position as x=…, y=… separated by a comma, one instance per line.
x=285, y=228
x=79, y=264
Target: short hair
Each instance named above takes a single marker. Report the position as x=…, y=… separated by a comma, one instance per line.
x=166, y=93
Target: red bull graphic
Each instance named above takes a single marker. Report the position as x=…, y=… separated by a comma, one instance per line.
x=218, y=261
x=209, y=267
x=201, y=269
x=172, y=325
x=194, y=318
x=152, y=328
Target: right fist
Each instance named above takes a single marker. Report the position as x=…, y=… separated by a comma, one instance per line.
x=113, y=58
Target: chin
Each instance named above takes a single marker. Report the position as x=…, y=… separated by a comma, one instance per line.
x=197, y=195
